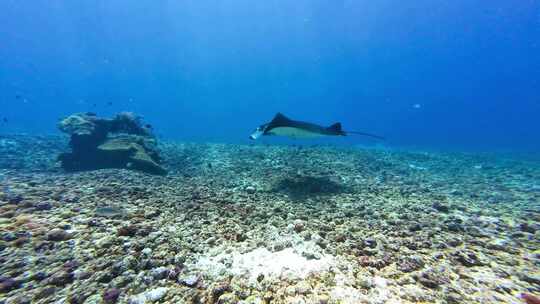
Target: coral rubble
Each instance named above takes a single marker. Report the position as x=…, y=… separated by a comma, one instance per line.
x=270, y=224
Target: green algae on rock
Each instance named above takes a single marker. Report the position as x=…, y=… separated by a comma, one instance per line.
x=135, y=152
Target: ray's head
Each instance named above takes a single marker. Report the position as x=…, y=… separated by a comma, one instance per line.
x=258, y=132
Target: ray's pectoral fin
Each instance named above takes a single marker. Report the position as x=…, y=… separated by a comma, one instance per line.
x=280, y=119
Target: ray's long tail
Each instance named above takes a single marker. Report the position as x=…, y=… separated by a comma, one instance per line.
x=365, y=134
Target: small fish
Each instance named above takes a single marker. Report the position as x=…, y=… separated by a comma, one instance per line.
x=412, y=166
x=6, y=190
x=110, y=211
x=109, y=103
x=530, y=299
x=17, y=96
x=148, y=126
x=4, y=120
x=417, y=106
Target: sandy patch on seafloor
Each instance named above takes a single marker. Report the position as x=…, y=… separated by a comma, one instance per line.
x=279, y=265
x=290, y=265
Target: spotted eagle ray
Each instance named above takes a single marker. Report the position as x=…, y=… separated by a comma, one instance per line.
x=283, y=126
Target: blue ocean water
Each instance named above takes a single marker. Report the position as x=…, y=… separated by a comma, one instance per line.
x=460, y=74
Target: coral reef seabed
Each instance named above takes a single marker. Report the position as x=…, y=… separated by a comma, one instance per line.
x=268, y=224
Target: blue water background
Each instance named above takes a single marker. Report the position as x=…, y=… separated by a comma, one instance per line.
x=456, y=74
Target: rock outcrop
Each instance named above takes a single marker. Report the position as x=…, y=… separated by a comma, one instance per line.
x=121, y=142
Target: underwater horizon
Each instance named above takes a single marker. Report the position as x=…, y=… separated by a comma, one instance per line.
x=270, y=152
